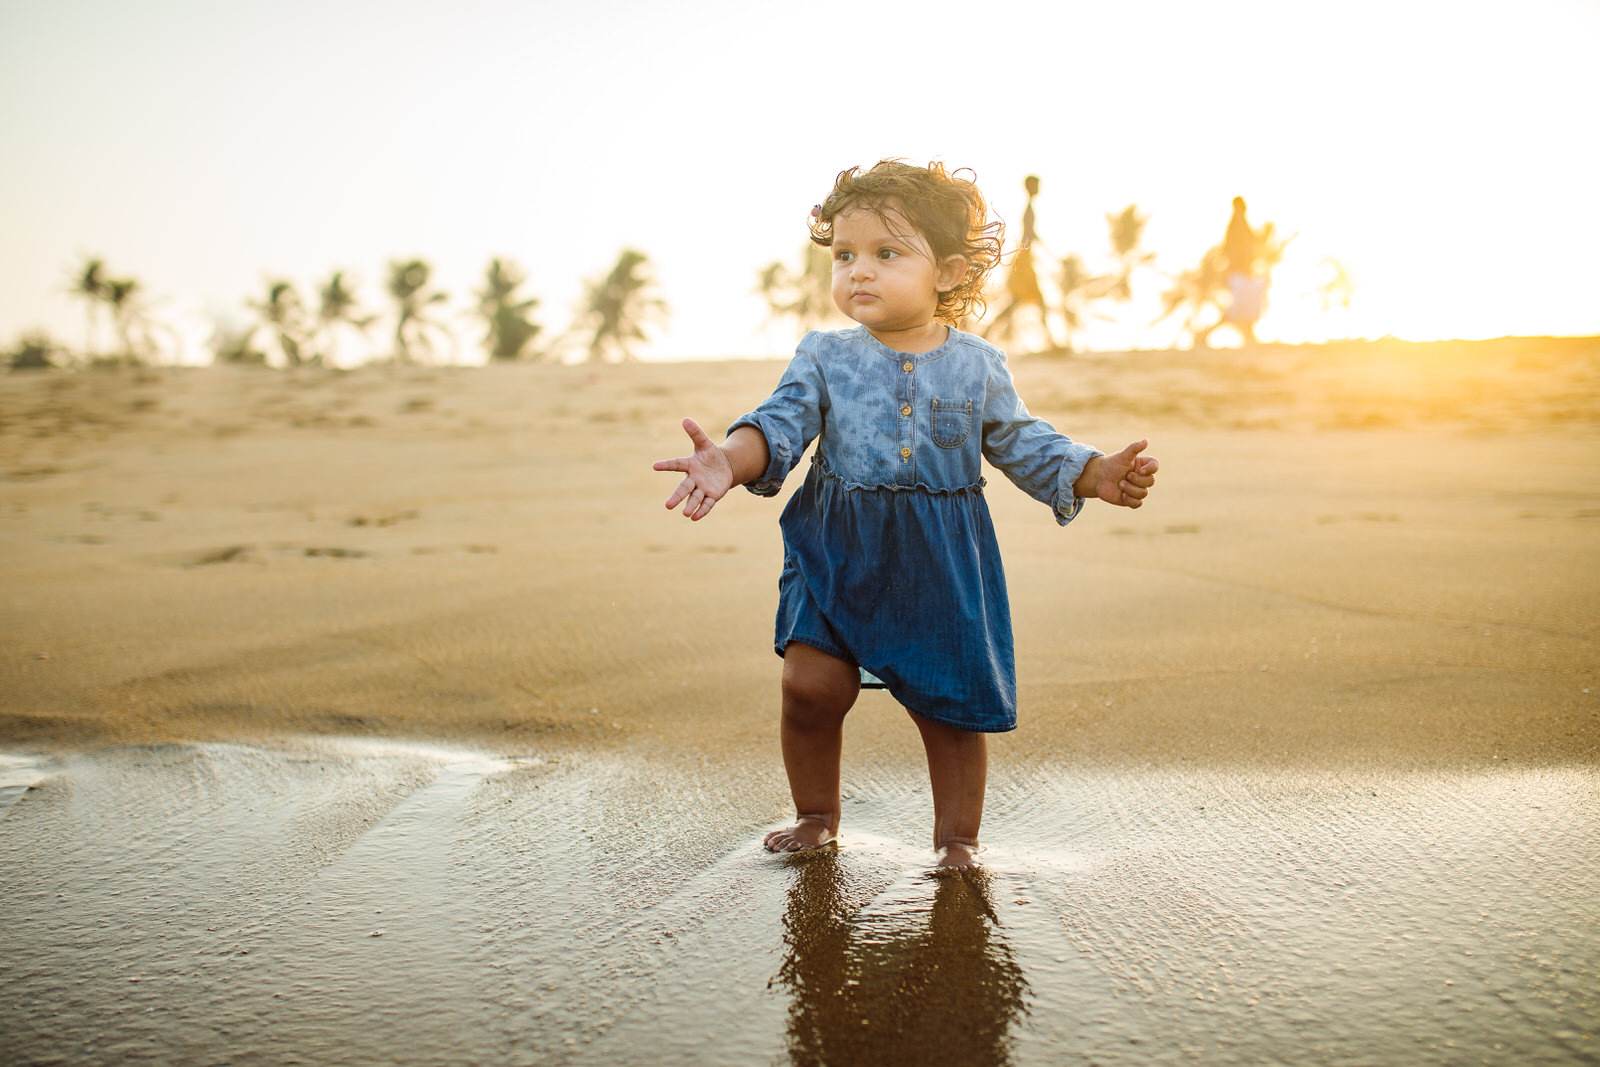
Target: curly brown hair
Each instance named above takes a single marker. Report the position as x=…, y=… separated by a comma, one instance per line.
x=945, y=208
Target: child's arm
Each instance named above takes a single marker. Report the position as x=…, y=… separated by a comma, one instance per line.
x=1122, y=478
x=711, y=471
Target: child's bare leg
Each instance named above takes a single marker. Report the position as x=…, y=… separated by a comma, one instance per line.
x=818, y=691
x=958, y=768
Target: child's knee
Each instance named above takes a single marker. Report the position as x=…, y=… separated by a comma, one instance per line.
x=813, y=698
x=807, y=695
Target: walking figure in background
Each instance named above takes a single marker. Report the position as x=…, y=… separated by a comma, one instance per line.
x=1022, y=284
x=892, y=574
x=1247, y=288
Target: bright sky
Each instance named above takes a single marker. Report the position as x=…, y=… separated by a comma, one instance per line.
x=1445, y=152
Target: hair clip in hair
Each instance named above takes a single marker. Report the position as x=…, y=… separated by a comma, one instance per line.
x=816, y=211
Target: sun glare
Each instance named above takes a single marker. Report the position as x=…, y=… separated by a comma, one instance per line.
x=1428, y=165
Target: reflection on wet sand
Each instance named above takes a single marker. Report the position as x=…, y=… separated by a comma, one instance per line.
x=359, y=903
x=903, y=980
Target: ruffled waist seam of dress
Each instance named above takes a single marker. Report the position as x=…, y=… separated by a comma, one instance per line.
x=920, y=487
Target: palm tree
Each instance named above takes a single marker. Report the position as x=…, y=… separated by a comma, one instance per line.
x=511, y=330
x=408, y=284
x=1337, y=287
x=129, y=316
x=336, y=305
x=90, y=284
x=283, y=312
x=1193, y=291
x=1079, y=289
x=1127, y=234
x=620, y=304
x=805, y=294
x=127, y=313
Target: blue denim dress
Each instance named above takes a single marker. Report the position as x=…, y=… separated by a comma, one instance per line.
x=890, y=558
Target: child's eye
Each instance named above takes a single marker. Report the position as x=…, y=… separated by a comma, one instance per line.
x=888, y=253
x=844, y=257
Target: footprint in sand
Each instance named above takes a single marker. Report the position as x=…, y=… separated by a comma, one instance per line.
x=392, y=518
x=227, y=554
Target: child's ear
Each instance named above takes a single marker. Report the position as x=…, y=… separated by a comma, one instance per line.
x=951, y=270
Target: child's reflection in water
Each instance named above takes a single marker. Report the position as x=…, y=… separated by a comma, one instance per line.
x=906, y=984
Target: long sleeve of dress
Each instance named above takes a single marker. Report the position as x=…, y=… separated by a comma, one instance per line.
x=1039, y=459
x=791, y=418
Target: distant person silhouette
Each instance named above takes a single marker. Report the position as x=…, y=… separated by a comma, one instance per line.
x=1022, y=284
x=1241, y=252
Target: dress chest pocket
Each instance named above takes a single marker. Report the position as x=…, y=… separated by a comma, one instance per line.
x=952, y=421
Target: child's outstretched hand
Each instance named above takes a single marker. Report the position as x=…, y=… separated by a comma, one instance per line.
x=1122, y=478
x=707, y=475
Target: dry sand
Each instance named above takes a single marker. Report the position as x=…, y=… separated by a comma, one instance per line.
x=282, y=648
x=1382, y=553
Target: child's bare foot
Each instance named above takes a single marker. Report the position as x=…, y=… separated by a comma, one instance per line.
x=807, y=833
x=958, y=853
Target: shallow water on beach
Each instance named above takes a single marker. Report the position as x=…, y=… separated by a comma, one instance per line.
x=354, y=902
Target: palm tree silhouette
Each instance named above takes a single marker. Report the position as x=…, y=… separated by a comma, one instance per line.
x=124, y=298
x=90, y=285
x=1337, y=287
x=804, y=294
x=1193, y=291
x=620, y=304
x=1126, y=229
x=336, y=305
x=511, y=330
x=283, y=312
x=1079, y=288
x=408, y=284
x=127, y=314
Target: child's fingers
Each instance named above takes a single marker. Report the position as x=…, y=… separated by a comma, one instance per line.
x=696, y=434
x=681, y=464
x=698, y=506
x=685, y=487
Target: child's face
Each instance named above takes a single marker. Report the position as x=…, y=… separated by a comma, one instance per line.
x=884, y=274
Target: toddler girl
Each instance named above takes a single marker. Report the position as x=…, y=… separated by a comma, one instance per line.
x=891, y=572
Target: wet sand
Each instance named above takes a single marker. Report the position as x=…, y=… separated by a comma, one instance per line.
x=386, y=715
